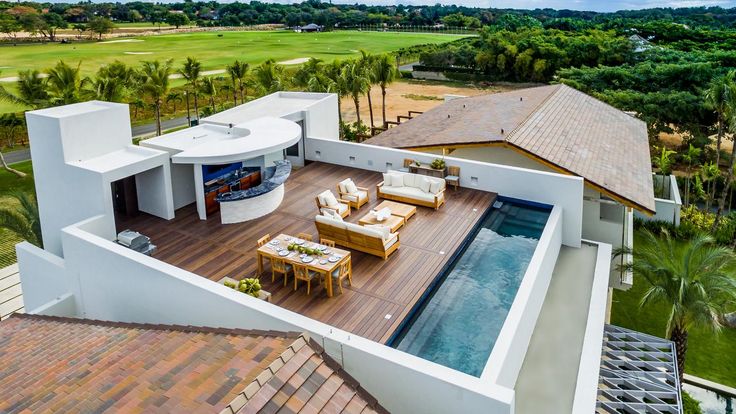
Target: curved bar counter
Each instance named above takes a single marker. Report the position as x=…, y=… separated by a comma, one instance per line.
x=255, y=202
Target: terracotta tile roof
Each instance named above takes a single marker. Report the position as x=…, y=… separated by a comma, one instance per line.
x=557, y=124
x=50, y=364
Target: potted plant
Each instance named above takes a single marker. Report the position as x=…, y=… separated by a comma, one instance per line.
x=438, y=164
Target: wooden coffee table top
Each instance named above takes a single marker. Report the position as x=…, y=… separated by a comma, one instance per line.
x=393, y=222
x=398, y=209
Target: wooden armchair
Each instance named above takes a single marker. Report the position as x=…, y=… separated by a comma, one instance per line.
x=342, y=208
x=356, y=196
x=302, y=272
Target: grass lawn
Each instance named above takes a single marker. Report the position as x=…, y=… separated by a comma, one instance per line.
x=8, y=184
x=709, y=356
x=215, y=52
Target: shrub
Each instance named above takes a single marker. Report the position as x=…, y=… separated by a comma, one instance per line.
x=690, y=405
x=694, y=221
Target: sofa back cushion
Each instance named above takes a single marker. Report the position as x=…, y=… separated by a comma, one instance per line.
x=329, y=221
x=397, y=179
x=331, y=200
x=423, y=184
x=328, y=212
x=384, y=230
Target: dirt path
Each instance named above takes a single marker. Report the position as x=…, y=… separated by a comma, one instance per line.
x=405, y=96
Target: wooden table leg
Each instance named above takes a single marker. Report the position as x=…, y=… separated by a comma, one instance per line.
x=328, y=282
x=260, y=263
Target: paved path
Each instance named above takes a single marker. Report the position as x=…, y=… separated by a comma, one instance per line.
x=408, y=67
x=145, y=129
x=17, y=156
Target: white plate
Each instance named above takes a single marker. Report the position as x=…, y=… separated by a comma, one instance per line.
x=283, y=253
x=306, y=259
x=303, y=255
x=326, y=251
x=334, y=259
x=298, y=242
x=278, y=249
x=323, y=262
x=274, y=242
x=322, y=247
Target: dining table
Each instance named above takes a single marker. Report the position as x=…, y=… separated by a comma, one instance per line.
x=325, y=264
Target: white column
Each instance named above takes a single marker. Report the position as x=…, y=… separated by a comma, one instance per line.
x=199, y=192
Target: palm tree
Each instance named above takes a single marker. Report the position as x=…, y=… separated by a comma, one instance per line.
x=209, y=88
x=368, y=62
x=31, y=90
x=731, y=114
x=710, y=172
x=64, y=84
x=112, y=83
x=191, y=72
x=307, y=71
x=238, y=71
x=691, y=278
x=330, y=80
x=22, y=218
x=718, y=97
x=355, y=79
x=692, y=157
x=172, y=98
x=269, y=76
x=385, y=73
x=155, y=84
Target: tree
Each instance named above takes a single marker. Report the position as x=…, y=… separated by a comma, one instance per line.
x=269, y=77
x=209, y=88
x=173, y=98
x=101, y=26
x=357, y=83
x=22, y=218
x=10, y=123
x=155, y=84
x=177, y=19
x=719, y=97
x=31, y=90
x=64, y=84
x=367, y=61
x=191, y=72
x=49, y=24
x=113, y=83
x=9, y=25
x=710, y=172
x=80, y=29
x=385, y=73
x=730, y=110
x=692, y=157
x=691, y=278
x=238, y=72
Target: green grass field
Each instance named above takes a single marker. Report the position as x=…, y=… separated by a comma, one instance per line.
x=214, y=52
x=8, y=184
x=709, y=356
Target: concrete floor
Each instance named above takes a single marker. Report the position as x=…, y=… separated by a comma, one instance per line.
x=548, y=376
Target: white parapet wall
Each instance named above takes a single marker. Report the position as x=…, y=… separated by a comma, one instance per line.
x=138, y=288
x=538, y=186
x=668, y=206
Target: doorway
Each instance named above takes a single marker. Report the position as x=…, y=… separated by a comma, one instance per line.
x=124, y=199
x=295, y=153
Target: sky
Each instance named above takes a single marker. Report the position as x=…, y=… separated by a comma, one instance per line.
x=594, y=5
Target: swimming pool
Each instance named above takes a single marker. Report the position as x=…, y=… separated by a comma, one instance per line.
x=458, y=322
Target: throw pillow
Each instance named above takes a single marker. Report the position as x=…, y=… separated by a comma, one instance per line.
x=387, y=179
x=331, y=201
x=424, y=184
x=434, y=187
x=351, y=188
x=343, y=186
x=397, y=180
x=321, y=199
x=383, y=214
x=385, y=231
x=328, y=212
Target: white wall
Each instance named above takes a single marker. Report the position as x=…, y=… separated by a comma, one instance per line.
x=153, y=188
x=138, y=288
x=586, y=390
x=322, y=120
x=508, y=353
x=668, y=210
x=182, y=184
x=499, y=155
x=42, y=275
x=542, y=187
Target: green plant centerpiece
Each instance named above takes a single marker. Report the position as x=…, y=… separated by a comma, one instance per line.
x=249, y=286
x=438, y=164
x=417, y=163
x=303, y=249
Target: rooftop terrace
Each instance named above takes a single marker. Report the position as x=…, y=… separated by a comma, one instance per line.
x=383, y=292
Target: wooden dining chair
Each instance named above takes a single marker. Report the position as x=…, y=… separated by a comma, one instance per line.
x=343, y=272
x=304, y=236
x=301, y=272
x=327, y=242
x=263, y=240
x=280, y=266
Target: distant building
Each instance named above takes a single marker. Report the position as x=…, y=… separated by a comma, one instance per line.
x=311, y=27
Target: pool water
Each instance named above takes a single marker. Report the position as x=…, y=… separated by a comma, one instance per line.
x=458, y=323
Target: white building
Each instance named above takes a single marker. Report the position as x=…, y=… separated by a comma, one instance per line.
x=548, y=328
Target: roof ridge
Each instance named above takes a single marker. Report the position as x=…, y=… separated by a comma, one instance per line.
x=160, y=327
x=534, y=110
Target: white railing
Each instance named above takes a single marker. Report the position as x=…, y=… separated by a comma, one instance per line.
x=542, y=187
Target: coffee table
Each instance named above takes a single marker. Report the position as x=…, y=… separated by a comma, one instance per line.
x=393, y=222
x=405, y=211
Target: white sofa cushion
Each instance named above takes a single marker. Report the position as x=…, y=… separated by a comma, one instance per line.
x=410, y=192
x=383, y=214
x=387, y=178
x=423, y=184
x=328, y=212
x=397, y=180
x=434, y=187
x=331, y=200
x=343, y=185
x=410, y=180
x=350, y=187
x=331, y=222
x=321, y=197
x=385, y=231
x=366, y=231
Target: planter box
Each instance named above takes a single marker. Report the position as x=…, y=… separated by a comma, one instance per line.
x=262, y=295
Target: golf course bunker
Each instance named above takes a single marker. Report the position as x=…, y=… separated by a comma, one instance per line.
x=296, y=61
x=120, y=41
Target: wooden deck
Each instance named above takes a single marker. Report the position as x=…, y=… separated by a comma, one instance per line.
x=383, y=292
x=11, y=297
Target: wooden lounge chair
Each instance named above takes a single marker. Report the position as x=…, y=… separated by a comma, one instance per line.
x=301, y=272
x=340, y=206
x=356, y=196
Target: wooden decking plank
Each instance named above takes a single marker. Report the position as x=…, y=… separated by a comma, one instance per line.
x=380, y=288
